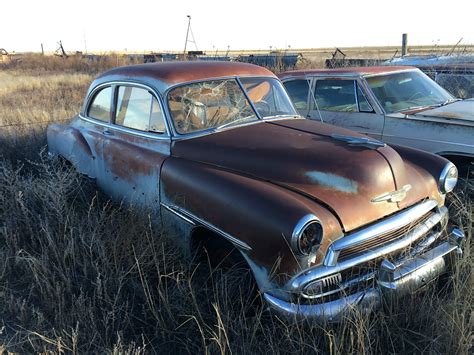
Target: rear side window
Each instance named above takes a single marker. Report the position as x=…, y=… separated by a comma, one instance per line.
x=298, y=92
x=138, y=109
x=336, y=95
x=101, y=105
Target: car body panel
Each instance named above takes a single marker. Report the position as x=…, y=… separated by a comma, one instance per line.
x=446, y=130
x=299, y=155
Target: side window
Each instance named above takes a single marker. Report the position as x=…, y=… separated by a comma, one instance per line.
x=100, y=107
x=364, y=105
x=336, y=95
x=298, y=93
x=138, y=109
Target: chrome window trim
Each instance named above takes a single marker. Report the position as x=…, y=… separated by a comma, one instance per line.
x=248, y=98
x=361, y=89
x=156, y=136
x=308, y=82
x=361, y=83
x=114, y=85
x=314, y=87
x=356, y=96
x=195, y=220
x=389, y=72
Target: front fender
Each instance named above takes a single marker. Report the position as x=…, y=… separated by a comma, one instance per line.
x=258, y=213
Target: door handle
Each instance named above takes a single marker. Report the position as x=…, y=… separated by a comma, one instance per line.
x=107, y=133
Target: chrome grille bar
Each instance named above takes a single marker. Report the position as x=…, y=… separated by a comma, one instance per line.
x=388, y=225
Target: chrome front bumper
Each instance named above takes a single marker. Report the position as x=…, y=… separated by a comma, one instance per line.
x=391, y=281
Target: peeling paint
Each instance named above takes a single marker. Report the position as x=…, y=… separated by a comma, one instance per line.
x=333, y=181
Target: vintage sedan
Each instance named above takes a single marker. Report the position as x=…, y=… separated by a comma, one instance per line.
x=398, y=105
x=326, y=219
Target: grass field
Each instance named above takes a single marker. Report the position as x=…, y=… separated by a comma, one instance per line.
x=79, y=273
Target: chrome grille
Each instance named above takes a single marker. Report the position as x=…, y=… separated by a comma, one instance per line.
x=383, y=239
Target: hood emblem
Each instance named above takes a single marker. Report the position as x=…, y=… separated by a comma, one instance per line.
x=359, y=141
x=394, y=196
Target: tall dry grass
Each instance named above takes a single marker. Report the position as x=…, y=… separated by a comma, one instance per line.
x=81, y=274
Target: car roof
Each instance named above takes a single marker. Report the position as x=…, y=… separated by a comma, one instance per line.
x=355, y=71
x=163, y=75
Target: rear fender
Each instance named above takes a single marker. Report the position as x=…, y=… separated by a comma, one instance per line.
x=68, y=142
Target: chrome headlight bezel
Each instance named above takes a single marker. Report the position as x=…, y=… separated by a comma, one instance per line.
x=308, y=224
x=448, y=178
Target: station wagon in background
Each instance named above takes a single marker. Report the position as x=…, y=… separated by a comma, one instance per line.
x=326, y=219
x=398, y=105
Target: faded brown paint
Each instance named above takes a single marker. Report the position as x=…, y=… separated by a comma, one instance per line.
x=261, y=214
x=293, y=154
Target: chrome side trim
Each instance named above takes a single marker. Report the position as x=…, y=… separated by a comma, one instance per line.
x=176, y=210
x=387, y=225
x=195, y=220
x=299, y=281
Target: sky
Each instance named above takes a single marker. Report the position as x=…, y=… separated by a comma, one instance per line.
x=145, y=25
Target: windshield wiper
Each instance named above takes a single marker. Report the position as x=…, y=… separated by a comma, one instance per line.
x=450, y=101
x=447, y=102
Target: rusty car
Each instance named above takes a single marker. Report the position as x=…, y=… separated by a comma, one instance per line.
x=395, y=104
x=326, y=219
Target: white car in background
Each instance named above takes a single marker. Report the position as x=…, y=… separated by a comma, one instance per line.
x=399, y=105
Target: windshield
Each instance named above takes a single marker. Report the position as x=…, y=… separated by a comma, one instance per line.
x=407, y=90
x=268, y=96
x=219, y=103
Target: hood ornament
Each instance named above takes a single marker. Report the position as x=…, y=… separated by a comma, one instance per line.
x=359, y=141
x=394, y=196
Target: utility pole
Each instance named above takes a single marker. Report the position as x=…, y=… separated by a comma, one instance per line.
x=187, y=34
x=42, y=49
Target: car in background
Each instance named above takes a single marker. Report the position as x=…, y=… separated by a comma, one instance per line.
x=325, y=218
x=398, y=105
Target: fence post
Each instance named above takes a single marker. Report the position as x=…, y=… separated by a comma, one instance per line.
x=404, y=44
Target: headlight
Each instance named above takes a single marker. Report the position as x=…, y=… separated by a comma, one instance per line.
x=448, y=178
x=307, y=235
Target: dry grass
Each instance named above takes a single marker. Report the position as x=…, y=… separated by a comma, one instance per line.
x=81, y=274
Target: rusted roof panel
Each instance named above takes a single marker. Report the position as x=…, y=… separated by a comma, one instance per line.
x=170, y=73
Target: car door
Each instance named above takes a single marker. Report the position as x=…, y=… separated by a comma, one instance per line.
x=135, y=147
x=342, y=102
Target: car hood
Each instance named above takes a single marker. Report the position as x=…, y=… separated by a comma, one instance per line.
x=302, y=156
x=459, y=111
